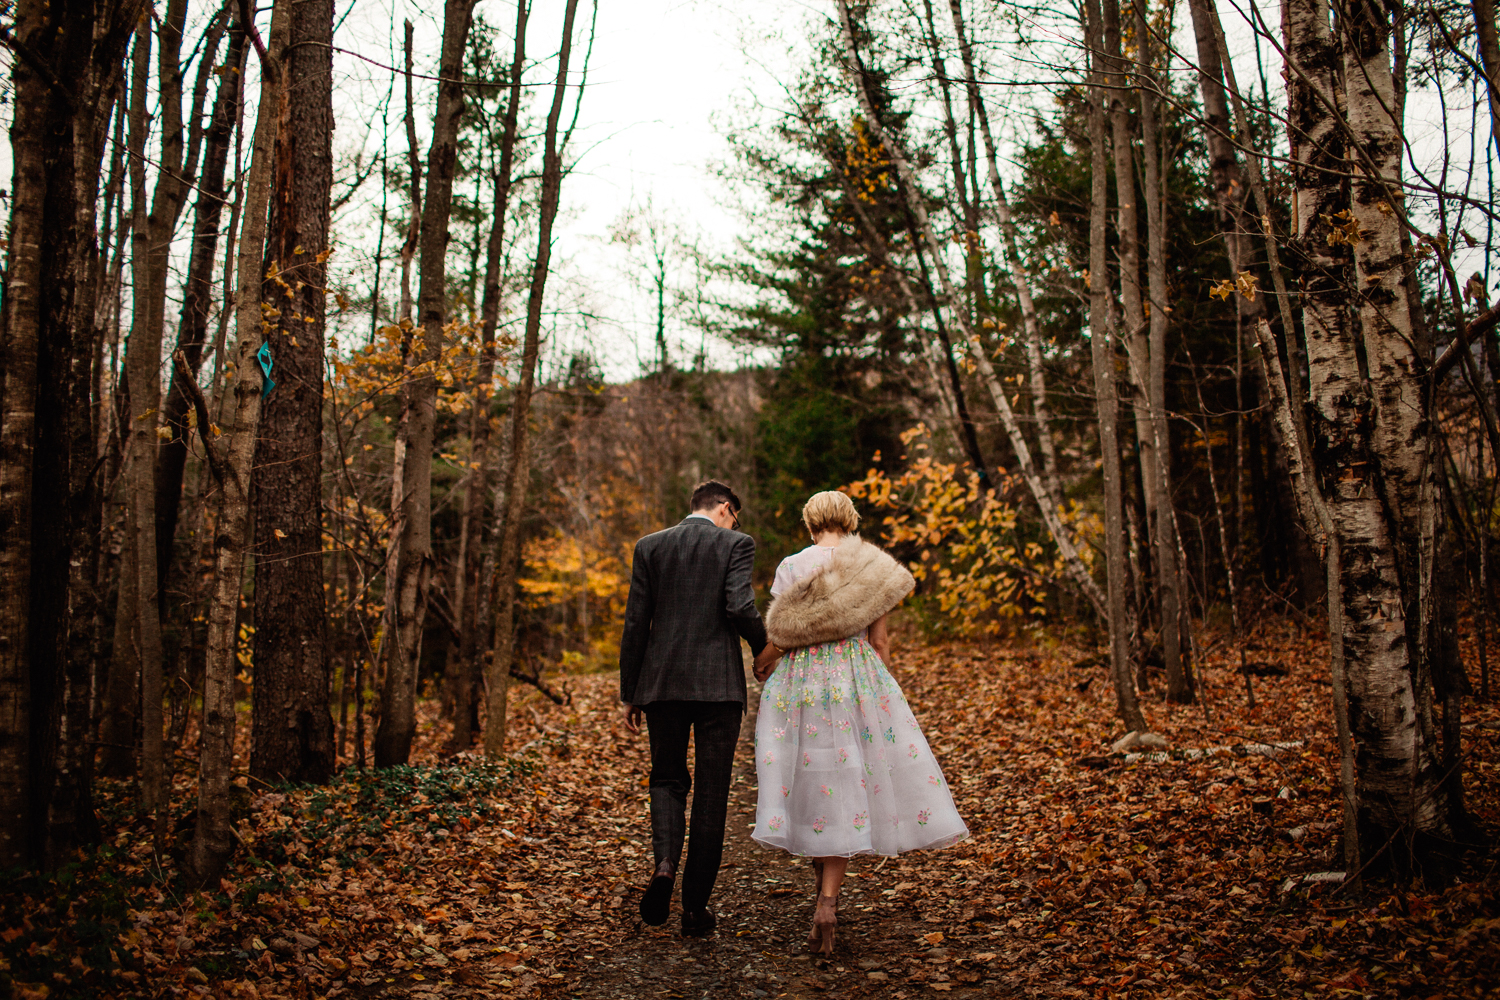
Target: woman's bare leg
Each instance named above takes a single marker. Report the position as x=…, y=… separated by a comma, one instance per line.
x=833, y=876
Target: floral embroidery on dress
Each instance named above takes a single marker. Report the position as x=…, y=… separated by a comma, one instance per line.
x=817, y=695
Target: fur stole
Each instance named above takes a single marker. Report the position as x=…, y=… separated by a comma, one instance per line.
x=851, y=592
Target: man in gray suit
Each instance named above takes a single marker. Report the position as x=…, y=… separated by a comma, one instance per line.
x=690, y=604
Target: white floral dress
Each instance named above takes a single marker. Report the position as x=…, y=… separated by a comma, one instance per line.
x=842, y=765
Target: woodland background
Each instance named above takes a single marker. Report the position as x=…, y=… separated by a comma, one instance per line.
x=1135, y=330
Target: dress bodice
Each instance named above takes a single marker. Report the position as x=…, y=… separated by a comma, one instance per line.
x=798, y=565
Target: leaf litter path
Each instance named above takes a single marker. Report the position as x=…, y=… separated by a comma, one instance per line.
x=764, y=900
x=1085, y=876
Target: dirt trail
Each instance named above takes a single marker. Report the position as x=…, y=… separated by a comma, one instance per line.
x=764, y=903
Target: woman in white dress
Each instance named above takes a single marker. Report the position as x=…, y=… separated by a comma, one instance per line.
x=842, y=765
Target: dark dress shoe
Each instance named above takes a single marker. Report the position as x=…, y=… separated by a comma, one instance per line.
x=658, y=898
x=698, y=924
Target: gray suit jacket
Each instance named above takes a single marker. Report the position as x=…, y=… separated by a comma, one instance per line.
x=690, y=604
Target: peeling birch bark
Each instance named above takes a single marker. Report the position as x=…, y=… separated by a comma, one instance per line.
x=1050, y=515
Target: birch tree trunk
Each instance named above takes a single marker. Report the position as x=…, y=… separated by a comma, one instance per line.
x=1106, y=398
x=967, y=432
x=470, y=569
x=1040, y=408
x=1050, y=516
x=1310, y=568
x=1169, y=569
x=1365, y=454
x=398, y=721
x=1400, y=772
x=518, y=470
x=291, y=725
x=1127, y=223
x=213, y=839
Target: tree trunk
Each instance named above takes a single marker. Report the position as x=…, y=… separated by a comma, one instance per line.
x=1060, y=534
x=1169, y=568
x=970, y=209
x=1368, y=436
x=108, y=396
x=1134, y=335
x=70, y=818
x=25, y=314
x=1104, y=382
x=198, y=298
x=388, y=650
x=398, y=721
x=214, y=839
x=517, y=472
x=473, y=629
x=1040, y=408
x=46, y=447
x=1308, y=571
x=151, y=239
x=414, y=166
x=1489, y=58
x=1400, y=774
x=292, y=726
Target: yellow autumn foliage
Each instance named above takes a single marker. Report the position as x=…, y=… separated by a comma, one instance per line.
x=981, y=567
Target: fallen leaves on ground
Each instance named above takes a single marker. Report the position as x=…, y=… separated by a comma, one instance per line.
x=1087, y=874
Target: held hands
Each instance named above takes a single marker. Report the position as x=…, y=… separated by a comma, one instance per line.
x=765, y=662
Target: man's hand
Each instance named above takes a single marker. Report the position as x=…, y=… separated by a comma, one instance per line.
x=633, y=718
x=765, y=663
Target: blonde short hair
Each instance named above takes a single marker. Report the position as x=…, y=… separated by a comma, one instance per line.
x=830, y=511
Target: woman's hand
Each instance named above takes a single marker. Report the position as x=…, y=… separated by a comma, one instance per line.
x=765, y=662
x=880, y=638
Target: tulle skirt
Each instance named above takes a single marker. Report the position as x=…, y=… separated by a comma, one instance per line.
x=843, y=766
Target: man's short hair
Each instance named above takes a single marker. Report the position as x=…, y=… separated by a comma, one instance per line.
x=711, y=493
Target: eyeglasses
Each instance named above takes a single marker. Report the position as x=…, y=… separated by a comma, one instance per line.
x=734, y=514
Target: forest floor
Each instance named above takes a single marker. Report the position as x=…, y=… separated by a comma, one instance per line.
x=1086, y=875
